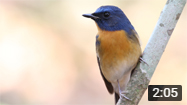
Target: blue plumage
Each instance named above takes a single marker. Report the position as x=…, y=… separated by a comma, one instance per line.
x=97, y=41
x=115, y=21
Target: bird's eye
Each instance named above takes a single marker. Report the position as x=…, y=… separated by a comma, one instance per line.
x=106, y=14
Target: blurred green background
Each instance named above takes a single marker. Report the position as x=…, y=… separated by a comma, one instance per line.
x=47, y=51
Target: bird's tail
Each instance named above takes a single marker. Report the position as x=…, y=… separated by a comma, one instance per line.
x=116, y=98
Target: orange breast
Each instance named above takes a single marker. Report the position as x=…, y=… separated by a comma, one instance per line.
x=113, y=46
x=115, y=51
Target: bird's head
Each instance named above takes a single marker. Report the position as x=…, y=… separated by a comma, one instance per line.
x=111, y=18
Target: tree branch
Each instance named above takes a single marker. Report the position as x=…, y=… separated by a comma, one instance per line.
x=153, y=52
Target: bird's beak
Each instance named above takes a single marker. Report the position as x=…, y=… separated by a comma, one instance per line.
x=90, y=16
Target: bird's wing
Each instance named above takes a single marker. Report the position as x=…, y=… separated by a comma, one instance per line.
x=107, y=84
x=135, y=36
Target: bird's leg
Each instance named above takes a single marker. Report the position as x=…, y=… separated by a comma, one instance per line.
x=120, y=92
x=142, y=60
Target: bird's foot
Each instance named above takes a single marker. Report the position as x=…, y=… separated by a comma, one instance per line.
x=122, y=96
x=142, y=60
x=121, y=93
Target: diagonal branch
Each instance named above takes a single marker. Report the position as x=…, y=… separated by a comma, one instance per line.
x=153, y=52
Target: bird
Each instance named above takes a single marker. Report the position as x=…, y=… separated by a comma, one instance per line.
x=118, y=48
